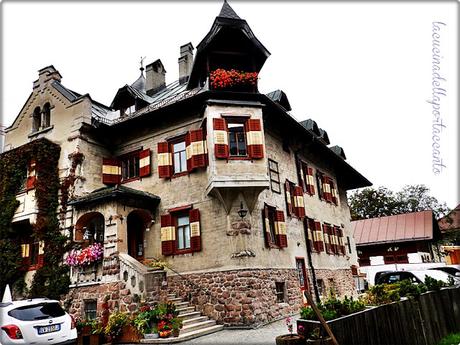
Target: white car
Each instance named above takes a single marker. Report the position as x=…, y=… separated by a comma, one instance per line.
x=415, y=276
x=37, y=321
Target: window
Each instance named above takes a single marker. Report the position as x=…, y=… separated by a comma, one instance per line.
x=270, y=224
x=280, y=292
x=319, y=184
x=32, y=254
x=237, y=138
x=129, y=110
x=290, y=197
x=320, y=285
x=37, y=120
x=129, y=166
x=46, y=115
x=274, y=227
x=180, y=231
x=183, y=232
x=179, y=157
x=90, y=310
x=274, y=176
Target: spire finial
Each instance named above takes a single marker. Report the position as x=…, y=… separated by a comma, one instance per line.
x=142, y=64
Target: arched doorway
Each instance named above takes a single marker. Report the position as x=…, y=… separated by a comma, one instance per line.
x=89, y=229
x=138, y=221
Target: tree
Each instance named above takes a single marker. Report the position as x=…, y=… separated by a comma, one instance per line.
x=371, y=203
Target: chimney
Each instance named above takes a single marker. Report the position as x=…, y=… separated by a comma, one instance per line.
x=45, y=75
x=155, y=76
x=185, y=62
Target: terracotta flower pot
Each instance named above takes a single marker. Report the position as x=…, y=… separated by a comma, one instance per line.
x=129, y=334
x=290, y=339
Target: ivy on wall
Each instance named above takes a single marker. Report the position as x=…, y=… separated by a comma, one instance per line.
x=52, y=279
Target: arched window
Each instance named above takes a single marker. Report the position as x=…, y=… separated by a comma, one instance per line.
x=36, y=121
x=46, y=115
x=89, y=229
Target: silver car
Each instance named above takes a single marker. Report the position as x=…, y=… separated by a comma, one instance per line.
x=36, y=321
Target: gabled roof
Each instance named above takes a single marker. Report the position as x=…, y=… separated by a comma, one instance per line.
x=280, y=97
x=131, y=92
x=415, y=226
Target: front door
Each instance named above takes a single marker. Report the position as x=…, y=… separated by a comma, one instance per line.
x=136, y=237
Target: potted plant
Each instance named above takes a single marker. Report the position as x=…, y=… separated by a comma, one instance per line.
x=176, y=325
x=164, y=329
x=291, y=338
x=119, y=328
x=155, y=264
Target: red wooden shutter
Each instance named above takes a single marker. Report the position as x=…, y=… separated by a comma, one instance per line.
x=340, y=240
x=309, y=228
x=327, y=239
x=144, y=163
x=195, y=230
x=334, y=240
x=287, y=191
x=196, y=153
x=299, y=205
x=309, y=180
x=220, y=138
x=319, y=237
x=168, y=235
x=280, y=229
x=334, y=194
x=326, y=188
x=111, y=171
x=255, y=139
x=164, y=160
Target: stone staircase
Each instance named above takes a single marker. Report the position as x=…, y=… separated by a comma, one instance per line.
x=194, y=324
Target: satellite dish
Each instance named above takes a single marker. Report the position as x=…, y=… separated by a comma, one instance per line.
x=7, y=298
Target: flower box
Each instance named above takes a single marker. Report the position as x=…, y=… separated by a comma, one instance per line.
x=233, y=80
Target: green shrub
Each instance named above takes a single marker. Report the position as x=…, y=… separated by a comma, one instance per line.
x=433, y=284
x=333, y=308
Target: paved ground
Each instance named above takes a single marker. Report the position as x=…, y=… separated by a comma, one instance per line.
x=262, y=336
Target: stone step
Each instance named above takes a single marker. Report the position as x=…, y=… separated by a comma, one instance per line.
x=182, y=304
x=183, y=310
x=175, y=299
x=198, y=325
x=184, y=336
x=172, y=295
x=194, y=320
x=190, y=315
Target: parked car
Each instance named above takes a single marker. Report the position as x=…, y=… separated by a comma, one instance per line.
x=451, y=269
x=37, y=321
x=378, y=275
x=416, y=277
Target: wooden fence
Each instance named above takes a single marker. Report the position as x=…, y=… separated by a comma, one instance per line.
x=419, y=321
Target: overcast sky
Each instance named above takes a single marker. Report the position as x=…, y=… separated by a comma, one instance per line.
x=362, y=71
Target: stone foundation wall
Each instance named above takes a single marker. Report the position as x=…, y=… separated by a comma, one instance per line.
x=339, y=281
x=244, y=297
x=116, y=295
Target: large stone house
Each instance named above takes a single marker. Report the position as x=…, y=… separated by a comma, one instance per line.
x=246, y=205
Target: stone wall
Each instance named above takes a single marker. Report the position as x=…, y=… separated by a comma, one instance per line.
x=240, y=297
x=340, y=281
x=115, y=294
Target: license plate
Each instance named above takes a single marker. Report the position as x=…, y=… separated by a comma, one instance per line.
x=49, y=329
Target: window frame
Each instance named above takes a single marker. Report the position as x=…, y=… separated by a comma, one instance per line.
x=89, y=313
x=319, y=184
x=123, y=160
x=272, y=241
x=237, y=120
x=273, y=171
x=280, y=291
x=175, y=215
x=171, y=144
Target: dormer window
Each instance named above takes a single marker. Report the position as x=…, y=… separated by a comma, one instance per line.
x=128, y=111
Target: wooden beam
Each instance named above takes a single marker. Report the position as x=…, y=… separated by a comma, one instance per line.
x=320, y=317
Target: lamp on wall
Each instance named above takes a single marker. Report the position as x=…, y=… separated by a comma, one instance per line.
x=242, y=212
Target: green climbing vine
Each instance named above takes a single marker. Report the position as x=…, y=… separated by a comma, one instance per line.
x=52, y=279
